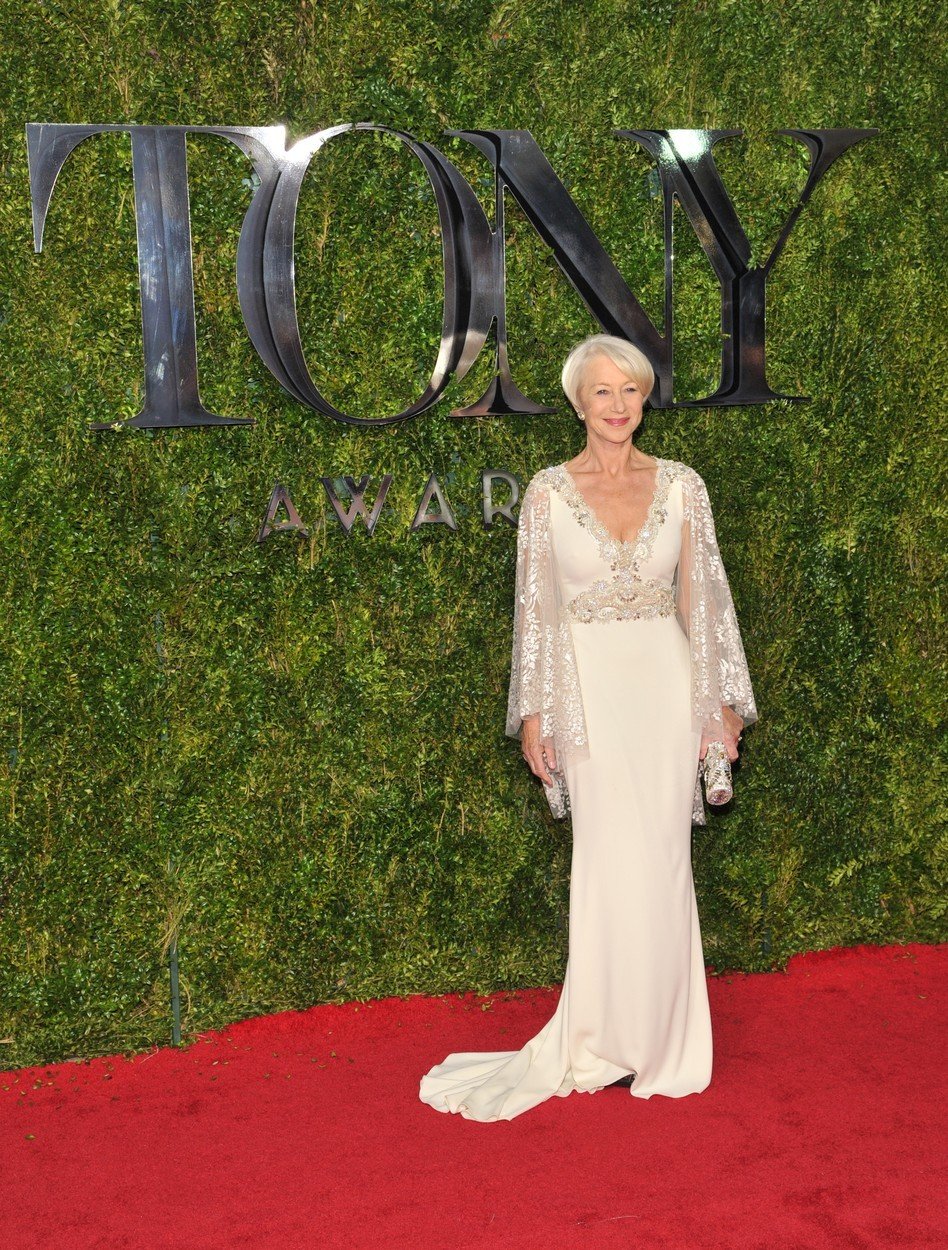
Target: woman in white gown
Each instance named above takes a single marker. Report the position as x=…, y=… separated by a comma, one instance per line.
x=627, y=661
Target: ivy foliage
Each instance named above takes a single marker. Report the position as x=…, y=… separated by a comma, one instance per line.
x=289, y=758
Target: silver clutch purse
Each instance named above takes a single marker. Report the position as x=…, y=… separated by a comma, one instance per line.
x=716, y=770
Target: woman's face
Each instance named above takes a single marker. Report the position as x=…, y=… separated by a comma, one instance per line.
x=610, y=401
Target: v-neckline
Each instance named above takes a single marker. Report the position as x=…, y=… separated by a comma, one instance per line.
x=597, y=525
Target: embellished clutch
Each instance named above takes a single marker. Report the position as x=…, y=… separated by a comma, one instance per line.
x=716, y=769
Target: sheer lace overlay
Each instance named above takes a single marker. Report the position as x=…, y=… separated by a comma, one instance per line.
x=719, y=673
x=544, y=680
x=543, y=676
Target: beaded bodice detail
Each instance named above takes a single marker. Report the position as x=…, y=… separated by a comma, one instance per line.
x=627, y=592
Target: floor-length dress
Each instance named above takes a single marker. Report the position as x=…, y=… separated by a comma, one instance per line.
x=634, y=997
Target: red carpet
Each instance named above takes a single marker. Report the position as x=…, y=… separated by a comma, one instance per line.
x=823, y=1126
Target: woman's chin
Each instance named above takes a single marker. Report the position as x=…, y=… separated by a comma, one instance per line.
x=617, y=433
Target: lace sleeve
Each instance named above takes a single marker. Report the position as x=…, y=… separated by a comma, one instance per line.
x=543, y=678
x=719, y=674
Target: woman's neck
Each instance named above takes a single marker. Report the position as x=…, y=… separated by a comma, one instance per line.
x=612, y=459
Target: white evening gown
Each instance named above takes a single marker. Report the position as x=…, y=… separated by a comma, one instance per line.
x=634, y=997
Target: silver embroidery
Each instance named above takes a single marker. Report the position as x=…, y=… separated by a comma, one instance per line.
x=627, y=596
x=718, y=665
x=621, y=555
x=622, y=599
x=543, y=677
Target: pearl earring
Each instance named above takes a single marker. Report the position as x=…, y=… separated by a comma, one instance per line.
x=581, y=416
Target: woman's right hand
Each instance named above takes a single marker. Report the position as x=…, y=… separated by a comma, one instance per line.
x=537, y=751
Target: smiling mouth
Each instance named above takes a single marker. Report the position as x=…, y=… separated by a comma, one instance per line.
x=615, y=420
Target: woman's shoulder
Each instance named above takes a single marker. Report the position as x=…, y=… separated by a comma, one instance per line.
x=688, y=476
x=541, y=481
x=677, y=467
x=544, y=476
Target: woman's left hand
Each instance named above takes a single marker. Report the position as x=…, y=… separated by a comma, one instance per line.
x=733, y=728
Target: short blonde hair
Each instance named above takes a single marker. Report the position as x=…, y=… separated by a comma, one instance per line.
x=629, y=359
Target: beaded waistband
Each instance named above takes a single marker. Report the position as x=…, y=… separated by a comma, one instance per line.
x=622, y=599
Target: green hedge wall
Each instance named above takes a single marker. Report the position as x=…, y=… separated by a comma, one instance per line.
x=291, y=756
